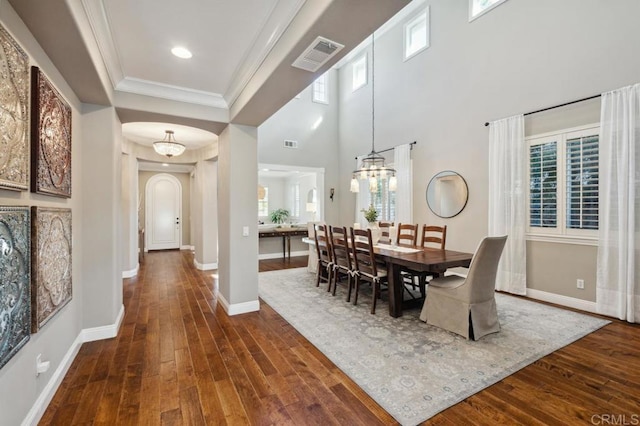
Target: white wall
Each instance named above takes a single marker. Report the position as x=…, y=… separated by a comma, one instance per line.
x=522, y=56
x=316, y=147
x=19, y=386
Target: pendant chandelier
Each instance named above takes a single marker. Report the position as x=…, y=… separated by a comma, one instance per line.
x=372, y=166
x=168, y=146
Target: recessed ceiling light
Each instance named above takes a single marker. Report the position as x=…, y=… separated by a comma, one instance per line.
x=165, y=164
x=181, y=52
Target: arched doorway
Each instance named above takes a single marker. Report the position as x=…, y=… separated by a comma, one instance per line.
x=163, y=212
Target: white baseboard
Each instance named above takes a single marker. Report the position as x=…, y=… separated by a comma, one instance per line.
x=205, y=266
x=238, y=308
x=42, y=402
x=192, y=248
x=86, y=335
x=558, y=299
x=105, y=331
x=279, y=255
x=132, y=273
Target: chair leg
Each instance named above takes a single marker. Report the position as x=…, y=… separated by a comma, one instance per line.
x=376, y=294
x=336, y=277
x=349, y=285
x=357, y=288
x=329, y=278
x=318, y=273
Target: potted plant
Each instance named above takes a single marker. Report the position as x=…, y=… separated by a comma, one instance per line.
x=370, y=214
x=279, y=216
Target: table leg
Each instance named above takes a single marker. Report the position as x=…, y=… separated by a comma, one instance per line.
x=395, y=290
x=289, y=247
x=284, y=247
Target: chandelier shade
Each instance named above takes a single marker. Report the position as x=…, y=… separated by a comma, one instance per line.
x=168, y=146
x=372, y=166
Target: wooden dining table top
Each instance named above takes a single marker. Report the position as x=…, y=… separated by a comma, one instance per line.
x=425, y=259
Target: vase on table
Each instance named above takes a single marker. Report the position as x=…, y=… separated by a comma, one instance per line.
x=376, y=232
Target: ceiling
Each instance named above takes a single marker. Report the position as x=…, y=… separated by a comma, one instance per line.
x=118, y=53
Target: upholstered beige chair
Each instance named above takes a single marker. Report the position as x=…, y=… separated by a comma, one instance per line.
x=467, y=306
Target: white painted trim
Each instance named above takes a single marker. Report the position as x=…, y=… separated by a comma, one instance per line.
x=187, y=247
x=205, y=266
x=105, y=331
x=86, y=335
x=558, y=299
x=42, y=402
x=279, y=255
x=131, y=273
x=238, y=308
x=173, y=93
x=564, y=239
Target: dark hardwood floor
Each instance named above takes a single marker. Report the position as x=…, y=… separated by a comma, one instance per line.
x=179, y=359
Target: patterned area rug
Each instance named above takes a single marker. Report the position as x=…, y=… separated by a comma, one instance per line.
x=412, y=369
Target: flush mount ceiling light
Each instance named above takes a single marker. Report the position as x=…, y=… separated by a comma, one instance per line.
x=168, y=146
x=181, y=52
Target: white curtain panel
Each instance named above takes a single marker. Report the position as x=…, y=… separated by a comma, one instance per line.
x=404, y=191
x=507, y=203
x=618, y=272
x=362, y=198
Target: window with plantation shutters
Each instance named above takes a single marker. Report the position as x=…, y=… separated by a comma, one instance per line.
x=582, y=182
x=563, y=184
x=384, y=201
x=543, y=185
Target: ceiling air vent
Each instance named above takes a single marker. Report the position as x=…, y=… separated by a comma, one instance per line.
x=291, y=144
x=317, y=54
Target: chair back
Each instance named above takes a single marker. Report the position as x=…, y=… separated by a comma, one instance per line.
x=407, y=234
x=481, y=280
x=434, y=236
x=340, y=246
x=362, y=248
x=323, y=244
x=385, y=232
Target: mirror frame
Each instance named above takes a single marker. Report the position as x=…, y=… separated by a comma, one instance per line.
x=466, y=200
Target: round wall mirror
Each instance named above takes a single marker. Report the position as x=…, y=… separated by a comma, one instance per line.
x=447, y=194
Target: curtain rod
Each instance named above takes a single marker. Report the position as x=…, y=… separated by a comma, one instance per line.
x=558, y=106
x=389, y=149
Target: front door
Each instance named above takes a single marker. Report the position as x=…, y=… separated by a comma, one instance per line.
x=163, y=197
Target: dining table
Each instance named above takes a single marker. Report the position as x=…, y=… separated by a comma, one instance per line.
x=415, y=258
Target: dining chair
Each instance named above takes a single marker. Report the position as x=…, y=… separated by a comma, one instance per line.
x=467, y=306
x=385, y=234
x=407, y=234
x=325, y=259
x=342, y=264
x=365, y=266
x=432, y=236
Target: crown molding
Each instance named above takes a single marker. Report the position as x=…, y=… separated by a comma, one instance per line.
x=167, y=91
x=274, y=26
x=99, y=22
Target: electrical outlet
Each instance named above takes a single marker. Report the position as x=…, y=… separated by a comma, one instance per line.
x=580, y=284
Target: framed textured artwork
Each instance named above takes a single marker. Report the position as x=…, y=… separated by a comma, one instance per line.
x=50, y=138
x=15, y=290
x=50, y=263
x=14, y=115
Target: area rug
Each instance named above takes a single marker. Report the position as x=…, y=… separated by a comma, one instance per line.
x=411, y=369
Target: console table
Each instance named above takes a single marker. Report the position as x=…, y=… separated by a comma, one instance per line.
x=286, y=234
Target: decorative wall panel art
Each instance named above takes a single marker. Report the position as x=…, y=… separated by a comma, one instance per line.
x=50, y=138
x=14, y=116
x=50, y=263
x=15, y=291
